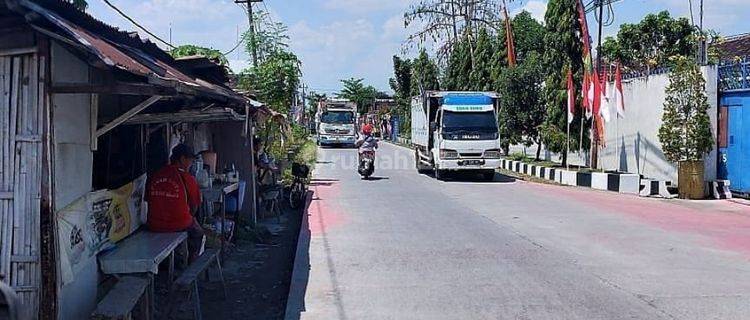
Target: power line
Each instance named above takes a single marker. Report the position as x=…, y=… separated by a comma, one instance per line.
x=137, y=24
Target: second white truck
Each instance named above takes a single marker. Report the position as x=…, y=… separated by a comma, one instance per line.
x=456, y=131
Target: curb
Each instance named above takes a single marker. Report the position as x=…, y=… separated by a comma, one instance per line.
x=617, y=182
x=295, y=302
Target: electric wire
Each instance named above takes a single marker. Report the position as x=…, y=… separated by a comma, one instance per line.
x=107, y=2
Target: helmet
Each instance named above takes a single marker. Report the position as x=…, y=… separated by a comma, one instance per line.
x=367, y=129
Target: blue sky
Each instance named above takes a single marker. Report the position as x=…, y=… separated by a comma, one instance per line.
x=338, y=39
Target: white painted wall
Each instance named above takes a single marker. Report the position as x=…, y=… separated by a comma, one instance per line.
x=632, y=143
x=73, y=170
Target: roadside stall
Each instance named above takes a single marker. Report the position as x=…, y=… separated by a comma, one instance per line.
x=75, y=160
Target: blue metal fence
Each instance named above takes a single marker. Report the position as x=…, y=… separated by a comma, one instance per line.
x=734, y=75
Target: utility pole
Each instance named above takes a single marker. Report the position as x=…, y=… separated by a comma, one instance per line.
x=250, y=19
x=594, y=131
x=703, y=37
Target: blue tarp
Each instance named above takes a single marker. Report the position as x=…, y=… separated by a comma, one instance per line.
x=474, y=99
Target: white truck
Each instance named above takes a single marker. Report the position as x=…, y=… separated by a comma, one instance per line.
x=456, y=131
x=336, y=121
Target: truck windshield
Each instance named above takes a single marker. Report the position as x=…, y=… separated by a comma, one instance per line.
x=473, y=121
x=339, y=117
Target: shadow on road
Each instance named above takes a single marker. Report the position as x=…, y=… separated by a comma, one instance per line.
x=470, y=177
x=375, y=178
x=295, y=304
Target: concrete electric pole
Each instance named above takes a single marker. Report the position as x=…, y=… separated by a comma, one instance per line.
x=250, y=19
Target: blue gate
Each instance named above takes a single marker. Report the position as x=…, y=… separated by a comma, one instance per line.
x=734, y=124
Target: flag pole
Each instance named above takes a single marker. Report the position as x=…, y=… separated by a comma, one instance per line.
x=567, y=151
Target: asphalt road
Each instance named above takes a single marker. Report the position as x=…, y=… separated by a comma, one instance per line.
x=406, y=246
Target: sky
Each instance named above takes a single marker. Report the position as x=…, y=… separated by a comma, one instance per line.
x=340, y=39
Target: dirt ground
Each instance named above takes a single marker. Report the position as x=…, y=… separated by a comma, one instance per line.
x=257, y=274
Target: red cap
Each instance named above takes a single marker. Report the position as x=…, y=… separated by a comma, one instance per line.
x=367, y=129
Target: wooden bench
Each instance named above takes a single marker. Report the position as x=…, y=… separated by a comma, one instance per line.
x=141, y=253
x=121, y=301
x=187, y=282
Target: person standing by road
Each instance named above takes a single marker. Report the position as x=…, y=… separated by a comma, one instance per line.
x=174, y=198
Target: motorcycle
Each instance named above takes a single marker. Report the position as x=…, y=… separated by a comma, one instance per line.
x=366, y=164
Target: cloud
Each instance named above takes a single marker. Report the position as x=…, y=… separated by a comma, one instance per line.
x=209, y=23
x=365, y=6
x=536, y=8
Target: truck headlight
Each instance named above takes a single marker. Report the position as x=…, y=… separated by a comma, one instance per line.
x=448, y=154
x=492, y=154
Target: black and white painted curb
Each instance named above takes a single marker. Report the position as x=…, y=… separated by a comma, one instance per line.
x=656, y=188
x=720, y=189
x=617, y=182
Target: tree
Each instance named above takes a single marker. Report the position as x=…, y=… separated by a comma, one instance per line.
x=650, y=43
x=363, y=95
x=425, y=74
x=563, y=50
x=528, y=35
x=275, y=80
x=193, y=50
x=481, y=72
x=685, y=133
x=270, y=36
x=459, y=66
x=522, y=110
x=276, y=77
x=402, y=80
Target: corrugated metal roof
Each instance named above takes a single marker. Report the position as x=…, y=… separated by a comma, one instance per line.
x=128, y=58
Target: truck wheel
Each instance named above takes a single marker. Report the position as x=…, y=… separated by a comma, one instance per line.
x=440, y=174
x=418, y=164
x=488, y=175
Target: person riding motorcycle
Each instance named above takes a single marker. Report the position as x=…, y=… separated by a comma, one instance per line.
x=366, y=142
x=367, y=145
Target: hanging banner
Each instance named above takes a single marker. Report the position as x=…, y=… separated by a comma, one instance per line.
x=95, y=222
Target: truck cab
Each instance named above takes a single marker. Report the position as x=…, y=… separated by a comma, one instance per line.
x=337, y=124
x=462, y=134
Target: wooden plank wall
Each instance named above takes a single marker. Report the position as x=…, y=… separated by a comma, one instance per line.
x=21, y=109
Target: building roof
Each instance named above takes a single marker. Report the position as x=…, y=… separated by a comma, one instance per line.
x=120, y=49
x=734, y=46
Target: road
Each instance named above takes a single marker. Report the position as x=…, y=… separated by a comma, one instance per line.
x=406, y=246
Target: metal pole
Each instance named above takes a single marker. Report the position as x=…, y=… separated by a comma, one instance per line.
x=594, y=133
x=253, y=175
x=703, y=37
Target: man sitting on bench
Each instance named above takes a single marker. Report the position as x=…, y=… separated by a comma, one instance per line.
x=174, y=197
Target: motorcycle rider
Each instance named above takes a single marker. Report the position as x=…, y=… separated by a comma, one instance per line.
x=367, y=145
x=366, y=142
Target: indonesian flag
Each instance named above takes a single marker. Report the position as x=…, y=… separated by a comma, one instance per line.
x=571, y=97
x=604, y=99
x=619, y=95
x=588, y=95
x=596, y=89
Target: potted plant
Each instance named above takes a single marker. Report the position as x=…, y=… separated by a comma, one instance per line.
x=685, y=132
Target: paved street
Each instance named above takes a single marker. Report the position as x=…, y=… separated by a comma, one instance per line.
x=406, y=246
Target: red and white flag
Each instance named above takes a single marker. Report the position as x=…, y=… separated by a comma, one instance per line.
x=619, y=94
x=571, y=98
x=604, y=99
x=588, y=95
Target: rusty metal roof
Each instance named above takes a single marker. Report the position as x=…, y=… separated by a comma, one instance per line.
x=121, y=50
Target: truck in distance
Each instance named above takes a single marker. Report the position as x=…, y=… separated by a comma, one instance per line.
x=456, y=131
x=336, y=122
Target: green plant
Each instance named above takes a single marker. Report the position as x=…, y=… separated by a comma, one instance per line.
x=192, y=50
x=517, y=156
x=685, y=133
x=563, y=51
